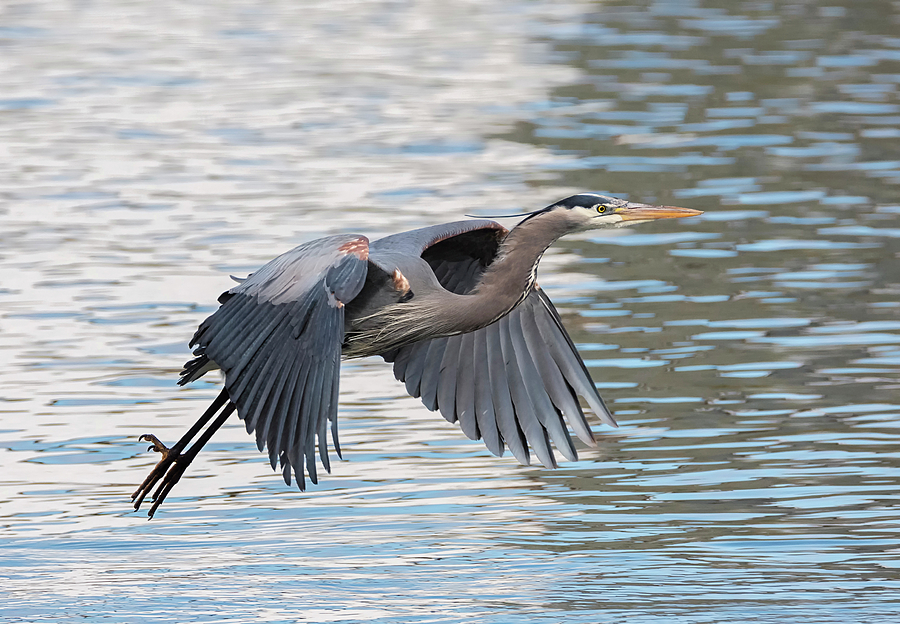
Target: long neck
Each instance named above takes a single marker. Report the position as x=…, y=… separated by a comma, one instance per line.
x=511, y=276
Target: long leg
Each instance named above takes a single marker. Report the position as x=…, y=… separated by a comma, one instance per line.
x=173, y=463
x=169, y=454
x=184, y=460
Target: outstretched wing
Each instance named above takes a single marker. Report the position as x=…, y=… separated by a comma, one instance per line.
x=277, y=337
x=510, y=383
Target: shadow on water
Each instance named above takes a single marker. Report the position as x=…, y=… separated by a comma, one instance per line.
x=751, y=356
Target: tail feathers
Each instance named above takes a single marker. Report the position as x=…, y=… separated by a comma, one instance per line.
x=195, y=369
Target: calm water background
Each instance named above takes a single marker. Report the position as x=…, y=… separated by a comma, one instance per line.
x=751, y=356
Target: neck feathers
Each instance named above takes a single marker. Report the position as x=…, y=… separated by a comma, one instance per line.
x=512, y=274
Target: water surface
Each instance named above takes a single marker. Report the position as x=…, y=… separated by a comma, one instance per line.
x=751, y=356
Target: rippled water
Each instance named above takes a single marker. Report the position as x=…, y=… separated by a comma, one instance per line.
x=751, y=356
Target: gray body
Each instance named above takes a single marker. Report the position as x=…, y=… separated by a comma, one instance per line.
x=454, y=307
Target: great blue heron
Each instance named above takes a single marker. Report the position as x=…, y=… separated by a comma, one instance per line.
x=456, y=309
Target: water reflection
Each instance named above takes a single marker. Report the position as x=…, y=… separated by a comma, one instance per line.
x=751, y=356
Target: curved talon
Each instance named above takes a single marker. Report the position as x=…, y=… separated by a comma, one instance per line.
x=169, y=457
x=156, y=445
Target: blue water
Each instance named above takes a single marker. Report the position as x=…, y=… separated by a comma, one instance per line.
x=751, y=356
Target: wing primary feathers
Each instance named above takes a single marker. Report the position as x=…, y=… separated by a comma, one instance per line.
x=309, y=439
x=253, y=403
x=228, y=319
x=569, y=362
x=294, y=451
x=322, y=432
x=298, y=451
x=503, y=407
x=291, y=395
x=414, y=368
x=295, y=415
x=250, y=347
x=334, y=436
x=268, y=427
x=285, y=468
x=513, y=383
x=547, y=413
x=561, y=393
x=525, y=413
x=465, y=388
x=446, y=390
x=484, y=406
x=432, y=372
x=401, y=361
x=248, y=353
x=223, y=319
x=279, y=416
x=233, y=356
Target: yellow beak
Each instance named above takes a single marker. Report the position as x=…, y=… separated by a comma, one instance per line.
x=644, y=212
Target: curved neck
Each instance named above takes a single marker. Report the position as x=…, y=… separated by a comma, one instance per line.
x=511, y=276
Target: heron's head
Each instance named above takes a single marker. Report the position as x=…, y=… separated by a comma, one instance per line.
x=587, y=211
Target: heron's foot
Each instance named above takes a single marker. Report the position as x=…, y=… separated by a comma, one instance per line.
x=156, y=445
x=168, y=470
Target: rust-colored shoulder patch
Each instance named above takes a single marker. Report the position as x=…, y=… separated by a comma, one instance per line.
x=358, y=247
x=401, y=284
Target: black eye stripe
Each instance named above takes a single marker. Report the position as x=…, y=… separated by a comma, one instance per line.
x=588, y=201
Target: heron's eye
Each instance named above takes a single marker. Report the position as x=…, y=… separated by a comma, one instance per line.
x=601, y=208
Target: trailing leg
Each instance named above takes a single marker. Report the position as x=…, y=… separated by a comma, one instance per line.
x=174, y=461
